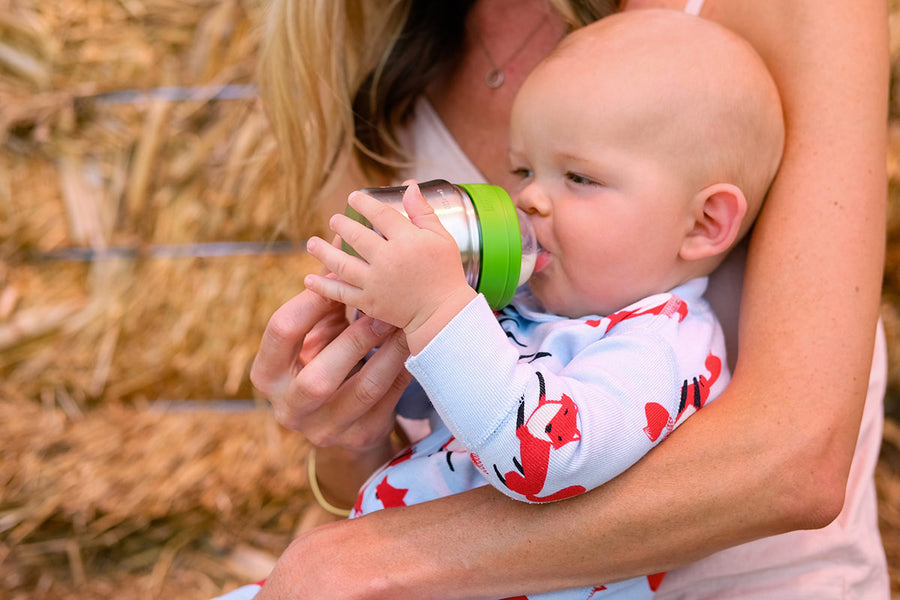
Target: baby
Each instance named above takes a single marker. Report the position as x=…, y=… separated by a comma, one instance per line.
x=644, y=145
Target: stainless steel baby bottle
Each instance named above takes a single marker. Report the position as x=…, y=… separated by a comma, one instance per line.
x=496, y=240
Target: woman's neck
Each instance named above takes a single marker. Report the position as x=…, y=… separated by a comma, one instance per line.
x=511, y=36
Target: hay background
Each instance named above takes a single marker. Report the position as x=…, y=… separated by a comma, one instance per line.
x=104, y=493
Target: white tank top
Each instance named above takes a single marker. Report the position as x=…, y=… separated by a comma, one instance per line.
x=693, y=7
x=842, y=561
x=436, y=153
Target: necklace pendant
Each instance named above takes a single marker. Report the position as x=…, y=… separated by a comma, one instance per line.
x=494, y=79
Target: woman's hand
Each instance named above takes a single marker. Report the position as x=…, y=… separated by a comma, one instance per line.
x=307, y=368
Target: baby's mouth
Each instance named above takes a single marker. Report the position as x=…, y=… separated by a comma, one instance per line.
x=542, y=260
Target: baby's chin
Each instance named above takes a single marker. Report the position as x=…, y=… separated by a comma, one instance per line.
x=558, y=305
x=559, y=302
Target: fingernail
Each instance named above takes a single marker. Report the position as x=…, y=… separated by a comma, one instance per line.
x=379, y=327
x=332, y=220
x=412, y=187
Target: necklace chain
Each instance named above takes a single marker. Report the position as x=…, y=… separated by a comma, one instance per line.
x=495, y=76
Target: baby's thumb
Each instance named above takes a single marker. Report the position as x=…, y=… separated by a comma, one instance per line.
x=418, y=210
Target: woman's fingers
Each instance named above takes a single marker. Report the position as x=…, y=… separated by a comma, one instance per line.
x=381, y=383
x=359, y=413
x=373, y=392
x=379, y=374
x=323, y=333
x=326, y=397
x=275, y=362
x=325, y=386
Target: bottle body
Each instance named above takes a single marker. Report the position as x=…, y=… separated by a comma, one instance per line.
x=496, y=241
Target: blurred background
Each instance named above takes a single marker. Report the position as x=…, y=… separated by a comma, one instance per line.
x=142, y=250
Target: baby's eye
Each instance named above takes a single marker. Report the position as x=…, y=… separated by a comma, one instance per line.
x=579, y=179
x=521, y=173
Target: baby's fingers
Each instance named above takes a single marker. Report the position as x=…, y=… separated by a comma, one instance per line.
x=384, y=217
x=351, y=269
x=420, y=212
x=333, y=289
x=363, y=240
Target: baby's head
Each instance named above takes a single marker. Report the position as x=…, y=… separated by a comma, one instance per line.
x=645, y=144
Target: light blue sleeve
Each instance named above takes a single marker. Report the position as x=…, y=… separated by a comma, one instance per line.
x=542, y=432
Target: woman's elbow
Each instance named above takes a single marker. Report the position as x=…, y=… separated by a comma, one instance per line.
x=820, y=506
x=814, y=486
x=804, y=443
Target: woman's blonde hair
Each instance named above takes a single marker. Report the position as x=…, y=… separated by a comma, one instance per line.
x=337, y=77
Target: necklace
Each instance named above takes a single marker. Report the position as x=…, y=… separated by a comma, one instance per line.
x=495, y=76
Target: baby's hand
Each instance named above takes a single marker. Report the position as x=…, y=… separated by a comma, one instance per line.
x=410, y=277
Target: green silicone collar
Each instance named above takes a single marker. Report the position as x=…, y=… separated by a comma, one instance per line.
x=501, y=244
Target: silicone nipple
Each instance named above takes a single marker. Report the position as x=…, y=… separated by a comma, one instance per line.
x=530, y=246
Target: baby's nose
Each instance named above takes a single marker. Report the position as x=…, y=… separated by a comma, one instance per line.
x=533, y=201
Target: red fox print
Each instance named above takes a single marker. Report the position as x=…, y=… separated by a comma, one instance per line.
x=357, y=506
x=551, y=425
x=693, y=395
x=448, y=448
x=389, y=495
x=673, y=306
x=654, y=580
x=404, y=456
x=507, y=323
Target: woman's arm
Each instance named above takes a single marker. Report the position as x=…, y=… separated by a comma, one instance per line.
x=772, y=454
x=814, y=270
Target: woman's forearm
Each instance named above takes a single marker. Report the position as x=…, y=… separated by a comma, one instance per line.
x=341, y=472
x=690, y=501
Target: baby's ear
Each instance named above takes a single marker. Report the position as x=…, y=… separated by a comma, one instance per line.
x=718, y=212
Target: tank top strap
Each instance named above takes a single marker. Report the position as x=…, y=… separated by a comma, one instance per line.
x=693, y=7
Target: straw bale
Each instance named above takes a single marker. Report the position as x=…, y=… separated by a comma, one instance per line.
x=78, y=172
x=137, y=491
x=99, y=497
